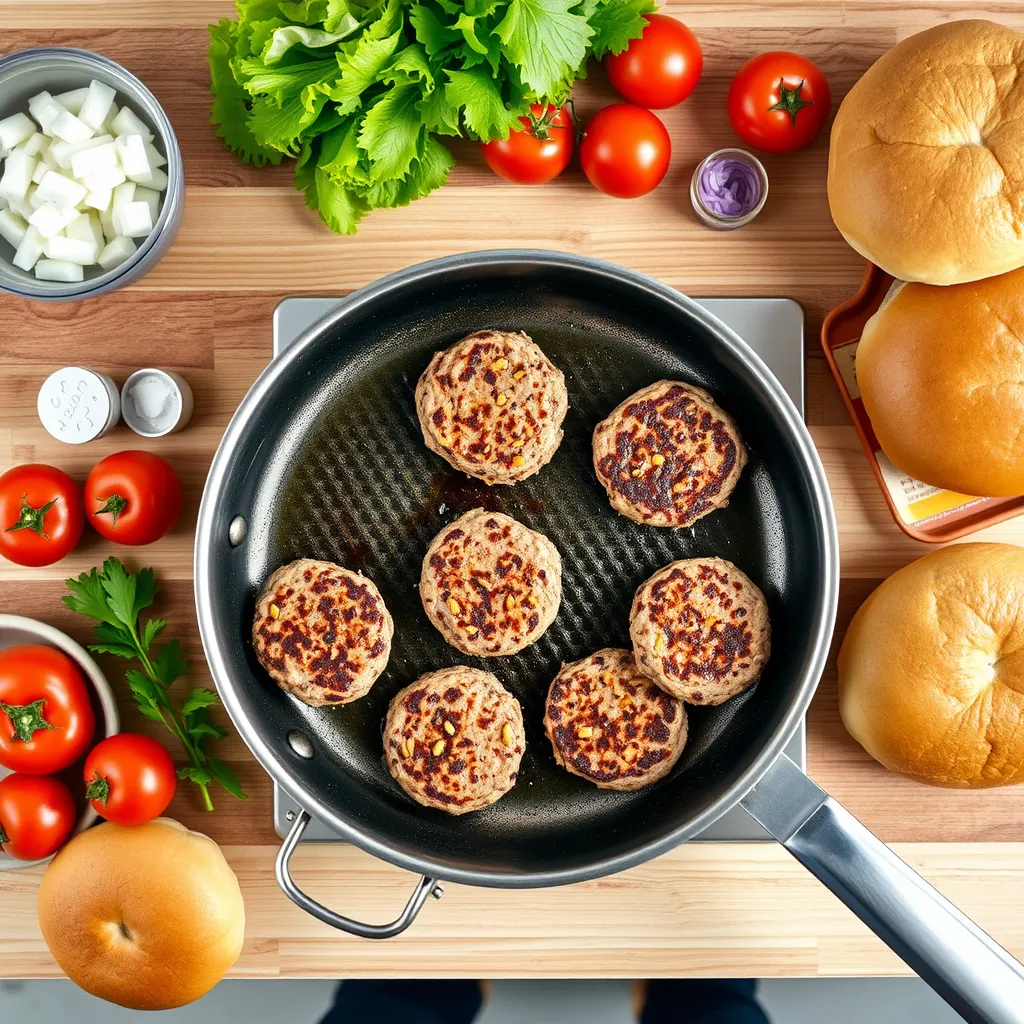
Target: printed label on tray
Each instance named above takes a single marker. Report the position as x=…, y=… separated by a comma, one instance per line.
x=846, y=363
x=916, y=501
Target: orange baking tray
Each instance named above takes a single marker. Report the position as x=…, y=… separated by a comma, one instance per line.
x=921, y=511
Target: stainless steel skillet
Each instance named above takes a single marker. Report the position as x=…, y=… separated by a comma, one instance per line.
x=324, y=459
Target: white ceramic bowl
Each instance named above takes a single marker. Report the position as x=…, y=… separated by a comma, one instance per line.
x=17, y=629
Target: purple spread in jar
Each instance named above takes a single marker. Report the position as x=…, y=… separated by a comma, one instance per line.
x=729, y=186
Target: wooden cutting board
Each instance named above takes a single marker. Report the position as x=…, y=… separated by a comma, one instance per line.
x=246, y=242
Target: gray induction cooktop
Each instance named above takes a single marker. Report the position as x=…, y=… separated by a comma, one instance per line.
x=774, y=329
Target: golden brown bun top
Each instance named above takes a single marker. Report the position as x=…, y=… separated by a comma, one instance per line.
x=926, y=162
x=931, y=673
x=149, y=917
x=941, y=374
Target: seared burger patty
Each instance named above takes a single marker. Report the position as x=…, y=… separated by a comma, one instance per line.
x=700, y=630
x=668, y=455
x=491, y=585
x=322, y=632
x=492, y=405
x=453, y=740
x=610, y=724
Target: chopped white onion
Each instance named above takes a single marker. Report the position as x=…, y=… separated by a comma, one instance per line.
x=15, y=130
x=80, y=180
x=17, y=176
x=97, y=105
x=12, y=227
x=116, y=251
x=73, y=100
x=30, y=250
x=59, y=270
x=55, y=188
x=50, y=219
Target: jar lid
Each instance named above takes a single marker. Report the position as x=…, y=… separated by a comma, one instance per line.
x=76, y=404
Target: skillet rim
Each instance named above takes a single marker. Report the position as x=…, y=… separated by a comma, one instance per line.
x=782, y=409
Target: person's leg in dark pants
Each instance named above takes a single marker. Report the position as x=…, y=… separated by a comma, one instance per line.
x=405, y=1002
x=702, y=1001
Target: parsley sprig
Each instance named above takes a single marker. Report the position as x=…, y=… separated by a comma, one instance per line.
x=114, y=597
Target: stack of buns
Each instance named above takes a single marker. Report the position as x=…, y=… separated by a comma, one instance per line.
x=926, y=180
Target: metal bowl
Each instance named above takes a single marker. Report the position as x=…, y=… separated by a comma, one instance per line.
x=17, y=629
x=59, y=69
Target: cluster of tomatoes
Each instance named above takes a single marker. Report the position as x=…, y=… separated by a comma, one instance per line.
x=132, y=497
x=47, y=725
x=778, y=102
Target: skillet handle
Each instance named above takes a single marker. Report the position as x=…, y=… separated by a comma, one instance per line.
x=976, y=976
x=424, y=887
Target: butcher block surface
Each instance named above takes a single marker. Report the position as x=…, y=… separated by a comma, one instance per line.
x=247, y=241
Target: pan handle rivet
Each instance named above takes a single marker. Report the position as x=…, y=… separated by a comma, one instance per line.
x=299, y=742
x=237, y=531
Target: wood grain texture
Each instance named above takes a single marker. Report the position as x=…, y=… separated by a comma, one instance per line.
x=246, y=242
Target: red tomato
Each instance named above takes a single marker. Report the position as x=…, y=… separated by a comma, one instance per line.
x=46, y=719
x=779, y=102
x=661, y=68
x=41, y=517
x=133, y=497
x=538, y=152
x=130, y=779
x=625, y=151
x=37, y=814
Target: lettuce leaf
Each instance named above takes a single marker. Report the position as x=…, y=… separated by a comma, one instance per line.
x=358, y=91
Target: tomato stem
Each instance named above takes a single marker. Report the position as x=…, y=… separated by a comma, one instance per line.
x=790, y=100
x=115, y=505
x=4, y=837
x=540, y=127
x=32, y=518
x=27, y=719
x=98, y=789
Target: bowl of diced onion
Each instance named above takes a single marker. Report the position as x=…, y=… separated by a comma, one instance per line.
x=91, y=181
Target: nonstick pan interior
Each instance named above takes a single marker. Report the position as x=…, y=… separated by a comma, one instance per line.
x=333, y=466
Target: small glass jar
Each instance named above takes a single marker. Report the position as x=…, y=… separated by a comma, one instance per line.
x=717, y=220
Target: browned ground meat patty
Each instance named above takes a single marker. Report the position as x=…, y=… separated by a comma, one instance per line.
x=454, y=739
x=491, y=585
x=700, y=630
x=609, y=723
x=322, y=632
x=668, y=455
x=493, y=405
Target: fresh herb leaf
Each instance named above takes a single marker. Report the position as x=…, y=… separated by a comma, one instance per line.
x=391, y=132
x=230, y=102
x=617, y=23
x=548, y=41
x=358, y=91
x=114, y=597
x=360, y=70
x=227, y=778
x=169, y=663
x=475, y=93
x=197, y=699
x=200, y=776
x=151, y=630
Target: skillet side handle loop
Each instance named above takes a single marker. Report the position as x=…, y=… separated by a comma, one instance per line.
x=976, y=976
x=425, y=887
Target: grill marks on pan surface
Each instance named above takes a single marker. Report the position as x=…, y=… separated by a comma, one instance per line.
x=362, y=489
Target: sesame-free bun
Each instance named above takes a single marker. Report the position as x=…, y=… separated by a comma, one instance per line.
x=926, y=161
x=931, y=673
x=149, y=917
x=941, y=375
